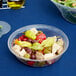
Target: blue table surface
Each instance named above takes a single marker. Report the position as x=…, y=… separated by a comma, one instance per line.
x=37, y=12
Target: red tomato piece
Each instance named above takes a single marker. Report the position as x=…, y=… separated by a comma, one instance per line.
x=21, y=38
x=25, y=39
x=41, y=37
x=43, y=51
x=30, y=63
x=40, y=40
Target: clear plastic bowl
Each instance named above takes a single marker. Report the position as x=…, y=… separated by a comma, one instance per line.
x=49, y=31
x=67, y=12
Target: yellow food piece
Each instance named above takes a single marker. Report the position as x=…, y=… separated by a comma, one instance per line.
x=22, y=43
x=37, y=46
x=15, y=4
x=46, y=51
x=30, y=34
x=25, y=44
x=48, y=42
x=27, y=55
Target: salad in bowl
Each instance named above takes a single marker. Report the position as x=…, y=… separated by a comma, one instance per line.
x=67, y=9
x=34, y=44
x=68, y=3
x=38, y=45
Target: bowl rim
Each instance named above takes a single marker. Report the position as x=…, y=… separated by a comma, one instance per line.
x=10, y=49
x=63, y=5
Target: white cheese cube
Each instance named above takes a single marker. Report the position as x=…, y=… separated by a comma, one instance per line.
x=60, y=50
x=39, y=56
x=22, y=52
x=60, y=42
x=49, y=56
x=16, y=48
x=34, y=30
x=55, y=38
x=55, y=47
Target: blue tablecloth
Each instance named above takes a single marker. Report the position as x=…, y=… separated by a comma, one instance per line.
x=37, y=12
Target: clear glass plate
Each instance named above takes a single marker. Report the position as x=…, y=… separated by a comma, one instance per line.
x=5, y=28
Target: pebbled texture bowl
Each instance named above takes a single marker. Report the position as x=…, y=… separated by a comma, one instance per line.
x=49, y=31
x=68, y=13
